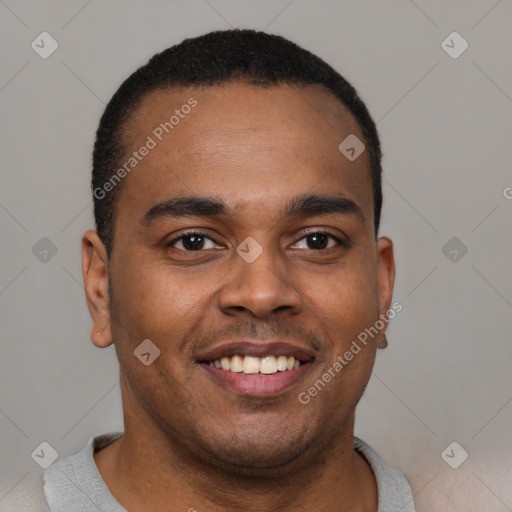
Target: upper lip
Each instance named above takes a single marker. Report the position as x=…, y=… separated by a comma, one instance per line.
x=257, y=349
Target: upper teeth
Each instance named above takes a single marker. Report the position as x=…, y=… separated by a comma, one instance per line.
x=249, y=364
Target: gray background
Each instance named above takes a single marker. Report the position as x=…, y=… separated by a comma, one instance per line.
x=446, y=131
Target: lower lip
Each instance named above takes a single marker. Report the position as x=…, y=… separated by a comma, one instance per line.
x=256, y=384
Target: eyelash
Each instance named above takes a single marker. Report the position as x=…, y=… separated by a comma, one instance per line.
x=338, y=241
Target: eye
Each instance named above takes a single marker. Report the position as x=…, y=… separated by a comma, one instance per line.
x=319, y=240
x=197, y=241
x=192, y=241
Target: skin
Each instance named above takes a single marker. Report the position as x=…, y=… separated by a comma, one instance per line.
x=190, y=443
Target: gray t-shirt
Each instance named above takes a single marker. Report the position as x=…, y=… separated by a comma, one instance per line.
x=74, y=484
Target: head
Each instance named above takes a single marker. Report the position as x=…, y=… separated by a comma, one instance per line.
x=225, y=212
x=255, y=58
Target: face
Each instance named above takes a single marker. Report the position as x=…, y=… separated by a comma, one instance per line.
x=272, y=261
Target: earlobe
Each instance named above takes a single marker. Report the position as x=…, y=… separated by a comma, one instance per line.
x=95, y=275
x=382, y=341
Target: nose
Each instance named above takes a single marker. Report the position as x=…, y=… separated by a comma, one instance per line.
x=262, y=287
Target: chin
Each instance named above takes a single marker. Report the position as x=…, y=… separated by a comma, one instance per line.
x=263, y=451
x=245, y=462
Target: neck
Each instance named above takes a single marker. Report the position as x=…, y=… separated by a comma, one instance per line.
x=147, y=470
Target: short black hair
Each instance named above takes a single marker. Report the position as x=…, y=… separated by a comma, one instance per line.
x=254, y=57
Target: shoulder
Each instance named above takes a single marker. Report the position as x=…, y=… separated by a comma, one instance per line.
x=74, y=484
x=393, y=488
x=26, y=496
x=59, y=486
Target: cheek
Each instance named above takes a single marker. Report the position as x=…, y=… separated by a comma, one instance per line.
x=345, y=300
x=160, y=303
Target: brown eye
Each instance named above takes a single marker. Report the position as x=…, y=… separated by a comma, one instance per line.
x=191, y=242
x=319, y=240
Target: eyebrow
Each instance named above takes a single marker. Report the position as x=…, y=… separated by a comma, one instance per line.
x=201, y=206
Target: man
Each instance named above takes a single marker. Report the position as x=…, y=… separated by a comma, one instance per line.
x=238, y=271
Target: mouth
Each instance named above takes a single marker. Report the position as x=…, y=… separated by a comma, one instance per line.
x=249, y=365
x=257, y=370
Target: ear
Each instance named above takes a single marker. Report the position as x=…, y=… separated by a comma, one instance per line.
x=386, y=281
x=95, y=275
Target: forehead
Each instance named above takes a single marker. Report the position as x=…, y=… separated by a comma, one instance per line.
x=247, y=144
x=312, y=110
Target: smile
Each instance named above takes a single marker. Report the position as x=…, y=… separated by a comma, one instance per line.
x=265, y=376
x=250, y=365
x=257, y=368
